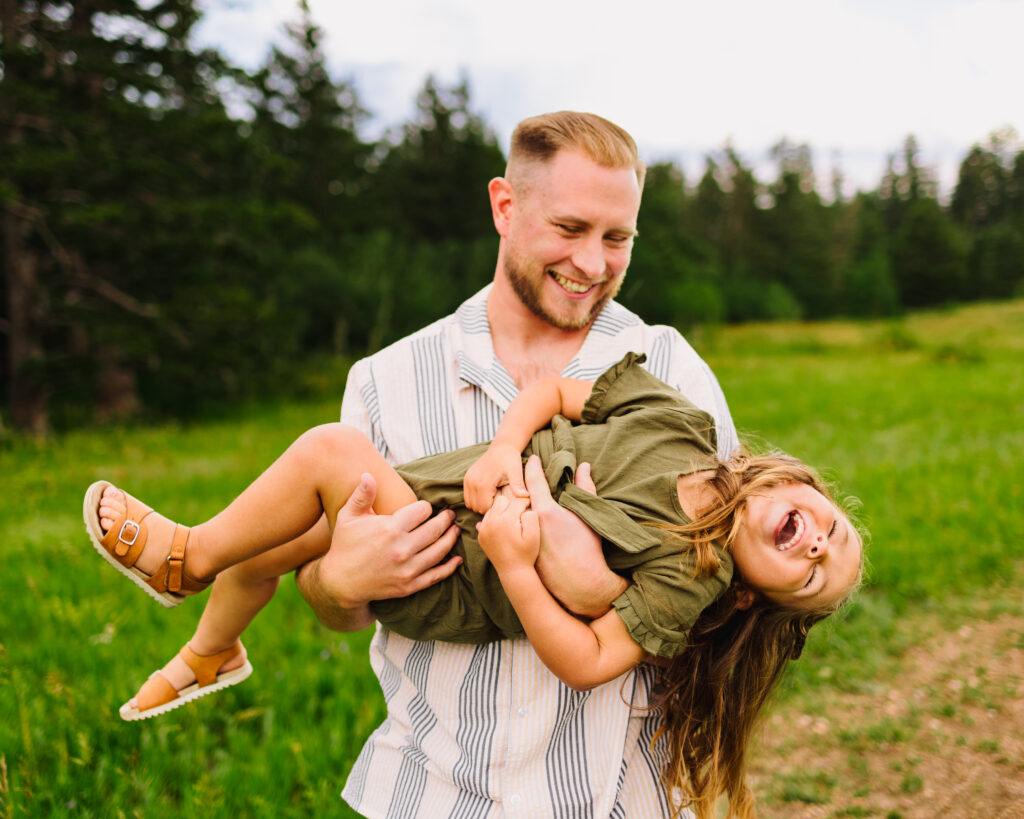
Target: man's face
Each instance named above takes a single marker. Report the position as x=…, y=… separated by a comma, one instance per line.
x=569, y=238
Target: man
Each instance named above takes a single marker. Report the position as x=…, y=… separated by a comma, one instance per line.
x=487, y=731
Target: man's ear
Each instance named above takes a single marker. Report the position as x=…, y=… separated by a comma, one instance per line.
x=502, y=201
x=744, y=597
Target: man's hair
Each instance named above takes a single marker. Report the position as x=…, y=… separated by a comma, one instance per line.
x=539, y=139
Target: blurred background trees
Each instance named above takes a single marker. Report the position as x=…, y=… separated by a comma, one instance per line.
x=176, y=233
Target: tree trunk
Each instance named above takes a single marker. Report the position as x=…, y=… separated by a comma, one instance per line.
x=29, y=393
x=117, y=397
x=25, y=300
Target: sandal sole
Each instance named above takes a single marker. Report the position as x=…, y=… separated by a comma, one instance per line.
x=189, y=693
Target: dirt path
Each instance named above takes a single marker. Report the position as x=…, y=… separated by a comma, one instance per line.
x=941, y=736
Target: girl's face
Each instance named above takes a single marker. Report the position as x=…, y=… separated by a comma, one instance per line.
x=796, y=547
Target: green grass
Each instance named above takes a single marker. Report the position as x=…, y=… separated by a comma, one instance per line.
x=920, y=419
x=76, y=642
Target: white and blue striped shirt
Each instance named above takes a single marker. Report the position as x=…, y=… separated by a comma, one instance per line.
x=486, y=731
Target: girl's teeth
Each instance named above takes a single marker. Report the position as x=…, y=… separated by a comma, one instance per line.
x=799, y=521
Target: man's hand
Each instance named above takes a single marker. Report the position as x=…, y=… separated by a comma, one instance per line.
x=571, y=563
x=375, y=557
x=501, y=465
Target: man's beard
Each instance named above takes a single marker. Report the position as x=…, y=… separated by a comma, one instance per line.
x=529, y=292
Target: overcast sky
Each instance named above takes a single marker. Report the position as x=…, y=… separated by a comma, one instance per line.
x=851, y=78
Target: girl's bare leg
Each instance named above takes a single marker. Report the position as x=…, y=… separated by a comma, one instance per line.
x=237, y=596
x=314, y=476
x=281, y=521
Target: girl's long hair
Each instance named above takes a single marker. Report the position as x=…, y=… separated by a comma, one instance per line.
x=712, y=692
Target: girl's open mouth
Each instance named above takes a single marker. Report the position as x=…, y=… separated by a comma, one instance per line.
x=790, y=531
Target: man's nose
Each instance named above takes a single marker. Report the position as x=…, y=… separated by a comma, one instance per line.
x=588, y=257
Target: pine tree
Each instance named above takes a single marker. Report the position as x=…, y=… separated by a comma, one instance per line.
x=986, y=205
x=434, y=177
x=800, y=234
x=81, y=83
x=673, y=274
x=308, y=122
x=135, y=253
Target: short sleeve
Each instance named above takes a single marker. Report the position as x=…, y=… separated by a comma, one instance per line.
x=664, y=601
x=354, y=411
x=360, y=396
x=626, y=387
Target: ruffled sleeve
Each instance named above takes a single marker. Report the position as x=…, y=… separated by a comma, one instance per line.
x=664, y=601
x=627, y=387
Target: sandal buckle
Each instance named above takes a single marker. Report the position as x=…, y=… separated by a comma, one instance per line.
x=134, y=535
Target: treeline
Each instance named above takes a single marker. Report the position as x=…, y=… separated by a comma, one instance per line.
x=734, y=248
x=177, y=232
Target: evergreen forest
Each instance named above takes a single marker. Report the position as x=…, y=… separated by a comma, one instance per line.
x=178, y=234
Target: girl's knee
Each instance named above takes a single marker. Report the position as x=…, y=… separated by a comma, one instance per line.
x=256, y=571
x=334, y=439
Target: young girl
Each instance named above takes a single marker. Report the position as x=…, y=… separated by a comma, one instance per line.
x=729, y=563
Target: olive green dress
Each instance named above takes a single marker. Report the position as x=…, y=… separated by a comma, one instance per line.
x=639, y=435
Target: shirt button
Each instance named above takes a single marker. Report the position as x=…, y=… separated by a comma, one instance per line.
x=514, y=800
x=521, y=711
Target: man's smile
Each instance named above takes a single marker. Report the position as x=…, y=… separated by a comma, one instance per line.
x=571, y=286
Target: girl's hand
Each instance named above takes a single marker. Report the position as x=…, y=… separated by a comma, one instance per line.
x=509, y=534
x=501, y=465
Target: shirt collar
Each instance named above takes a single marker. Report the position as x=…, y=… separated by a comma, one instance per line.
x=476, y=365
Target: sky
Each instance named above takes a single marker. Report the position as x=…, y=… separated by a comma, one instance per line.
x=850, y=78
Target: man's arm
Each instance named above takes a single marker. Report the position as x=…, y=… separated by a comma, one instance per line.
x=571, y=563
x=376, y=557
x=327, y=608
x=372, y=557
x=687, y=372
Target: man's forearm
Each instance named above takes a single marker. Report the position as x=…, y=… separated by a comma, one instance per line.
x=605, y=593
x=589, y=597
x=327, y=609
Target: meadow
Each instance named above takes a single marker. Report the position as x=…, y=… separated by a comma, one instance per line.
x=919, y=418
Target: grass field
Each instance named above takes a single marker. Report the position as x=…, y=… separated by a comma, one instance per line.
x=920, y=419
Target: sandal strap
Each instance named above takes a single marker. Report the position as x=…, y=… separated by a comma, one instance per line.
x=126, y=539
x=155, y=691
x=172, y=576
x=176, y=559
x=207, y=666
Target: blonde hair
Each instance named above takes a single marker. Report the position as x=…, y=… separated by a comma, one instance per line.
x=712, y=692
x=538, y=139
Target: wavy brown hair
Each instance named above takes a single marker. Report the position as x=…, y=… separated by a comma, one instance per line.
x=712, y=692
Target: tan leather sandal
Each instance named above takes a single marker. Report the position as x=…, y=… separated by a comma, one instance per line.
x=158, y=696
x=122, y=544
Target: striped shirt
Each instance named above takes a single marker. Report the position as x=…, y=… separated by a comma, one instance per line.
x=486, y=731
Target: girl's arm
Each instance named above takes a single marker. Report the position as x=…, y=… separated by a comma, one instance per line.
x=580, y=654
x=530, y=411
